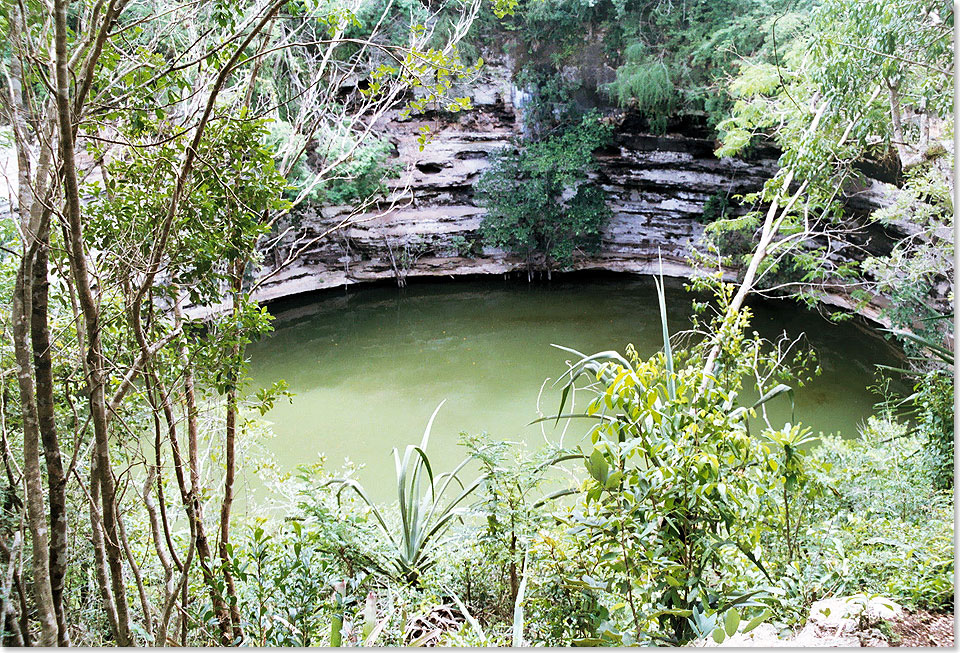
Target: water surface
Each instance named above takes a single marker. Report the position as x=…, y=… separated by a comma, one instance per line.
x=369, y=366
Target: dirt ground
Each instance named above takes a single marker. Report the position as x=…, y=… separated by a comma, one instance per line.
x=923, y=629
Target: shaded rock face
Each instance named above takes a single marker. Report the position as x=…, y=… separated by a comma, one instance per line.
x=656, y=188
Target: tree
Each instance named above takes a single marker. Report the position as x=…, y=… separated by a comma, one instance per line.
x=822, y=106
x=167, y=104
x=837, y=99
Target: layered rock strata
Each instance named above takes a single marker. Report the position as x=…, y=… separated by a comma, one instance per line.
x=656, y=188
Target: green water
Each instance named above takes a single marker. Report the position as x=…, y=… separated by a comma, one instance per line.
x=368, y=367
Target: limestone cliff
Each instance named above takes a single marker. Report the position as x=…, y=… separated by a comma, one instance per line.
x=656, y=188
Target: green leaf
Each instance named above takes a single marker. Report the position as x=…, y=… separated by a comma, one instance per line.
x=667, y=350
x=597, y=466
x=731, y=621
x=756, y=621
x=719, y=635
x=336, y=625
x=775, y=392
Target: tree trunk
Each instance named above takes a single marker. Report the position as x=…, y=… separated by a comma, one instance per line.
x=171, y=424
x=56, y=481
x=159, y=523
x=91, y=318
x=138, y=578
x=100, y=550
x=7, y=613
x=24, y=620
x=33, y=482
x=204, y=554
x=21, y=312
x=231, y=464
x=169, y=588
x=185, y=495
x=195, y=505
x=896, y=123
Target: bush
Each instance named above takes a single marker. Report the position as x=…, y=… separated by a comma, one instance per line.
x=715, y=208
x=539, y=202
x=681, y=499
x=933, y=399
x=295, y=576
x=883, y=528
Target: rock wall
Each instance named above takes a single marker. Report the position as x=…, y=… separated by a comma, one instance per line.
x=656, y=188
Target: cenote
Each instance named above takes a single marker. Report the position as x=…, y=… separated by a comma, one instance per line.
x=368, y=366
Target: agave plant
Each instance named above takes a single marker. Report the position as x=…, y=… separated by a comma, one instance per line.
x=423, y=513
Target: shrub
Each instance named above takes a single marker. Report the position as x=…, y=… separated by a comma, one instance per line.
x=539, y=202
x=883, y=528
x=680, y=498
x=933, y=398
x=294, y=577
x=715, y=208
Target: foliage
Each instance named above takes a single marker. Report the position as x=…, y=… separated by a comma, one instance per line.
x=166, y=107
x=855, y=88
x=830, y=71
x=869, y=81
x=359, y=178
x=507, y=504
x=849, y=48
x=561, y=612
x=934, y=401
x=715, y=208
x=539, y=202
x=906, y=42
x=679, y=499
x=514, y=505
x=884, y=528
x=695, y=515
x=551, y=106
x=645, y=85
x=668, y=57
x=236, y=184
x=288, y=584
x=424, y=514
x=301, y=575
x=923, y=259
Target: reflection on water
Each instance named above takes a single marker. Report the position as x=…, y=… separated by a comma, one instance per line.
x=368, y=367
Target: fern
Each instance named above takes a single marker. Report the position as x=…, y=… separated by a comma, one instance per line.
x=647, y=86
x=736, y=223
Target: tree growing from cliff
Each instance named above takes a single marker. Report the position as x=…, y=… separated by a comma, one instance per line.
x=540, y=201
x=832, y=102
x=870, y=80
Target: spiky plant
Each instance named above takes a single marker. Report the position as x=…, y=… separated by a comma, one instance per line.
x=423, y=514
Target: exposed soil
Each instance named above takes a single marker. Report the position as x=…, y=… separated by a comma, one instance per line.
x=923, y=629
